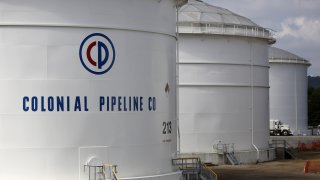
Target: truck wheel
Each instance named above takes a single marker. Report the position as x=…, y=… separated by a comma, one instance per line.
x=285, y=133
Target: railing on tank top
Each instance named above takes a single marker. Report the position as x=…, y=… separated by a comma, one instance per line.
x=229, y=29
x=288, y=60
x=104, y=172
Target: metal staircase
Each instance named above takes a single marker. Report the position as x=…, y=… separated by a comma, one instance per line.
x=284, y=150
x=193, y=169
x=207, y=173
x=190, y=167
x=226, y=150
x=232, y=158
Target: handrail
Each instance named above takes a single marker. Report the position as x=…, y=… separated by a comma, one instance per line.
x=289, y=60
x=279, y=143
x=222, y=148
x=100, y=172
x=97, y=171
x=231, y=29
x=215, y=175
x=187, y=163
x=112, y=169
x=193, y=165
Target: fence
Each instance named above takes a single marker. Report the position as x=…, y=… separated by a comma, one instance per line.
x=314, y=146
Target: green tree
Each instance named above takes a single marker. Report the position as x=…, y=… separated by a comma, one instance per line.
x=314, y=106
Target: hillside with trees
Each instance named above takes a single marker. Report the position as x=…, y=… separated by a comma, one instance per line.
x=314, y=101
x=314, y=81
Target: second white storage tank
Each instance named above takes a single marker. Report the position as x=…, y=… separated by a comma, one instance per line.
x=223, y=82
x=289, y=90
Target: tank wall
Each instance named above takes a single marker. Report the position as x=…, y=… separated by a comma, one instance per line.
x=288, y=95
x=222, y=49
x=222, y=74
x=261, y=117
x=146, y=15
x=205, y=117
x=40, y=61
x=216, y=100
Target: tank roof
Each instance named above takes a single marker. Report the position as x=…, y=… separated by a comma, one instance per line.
x=181, y=2
x=277, y=55
x=199, y=17
x=200, y=12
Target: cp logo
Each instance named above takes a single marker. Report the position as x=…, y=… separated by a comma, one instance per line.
x=97, y=53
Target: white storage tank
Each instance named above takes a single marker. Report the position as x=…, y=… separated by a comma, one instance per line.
x=223, y=83
x=289, y=90
x=83, y=83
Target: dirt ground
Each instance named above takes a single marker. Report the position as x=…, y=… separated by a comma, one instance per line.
x=284, y=170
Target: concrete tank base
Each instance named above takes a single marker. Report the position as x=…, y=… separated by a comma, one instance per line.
x=244, y=157
x=169, y=176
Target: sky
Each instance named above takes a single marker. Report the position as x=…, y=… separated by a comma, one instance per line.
x=296, y=22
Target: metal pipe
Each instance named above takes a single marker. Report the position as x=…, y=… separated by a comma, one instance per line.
x=177, y=82
x=296, y=97
x=252, y=108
